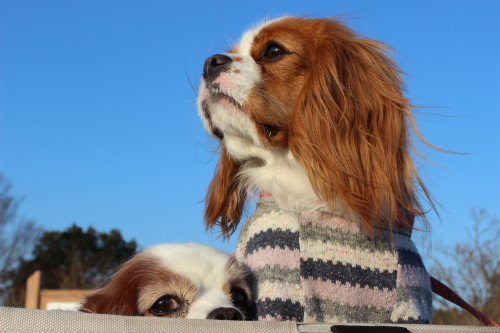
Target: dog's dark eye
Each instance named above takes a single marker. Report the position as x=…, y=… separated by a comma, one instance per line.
x=166, y=305
x=270, y=130
x=273, y=52
x=238, y=296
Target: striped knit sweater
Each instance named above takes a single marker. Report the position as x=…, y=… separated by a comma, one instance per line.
x=316, y=267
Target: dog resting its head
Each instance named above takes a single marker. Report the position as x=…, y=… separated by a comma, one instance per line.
x=176, y=281
x=314, y=114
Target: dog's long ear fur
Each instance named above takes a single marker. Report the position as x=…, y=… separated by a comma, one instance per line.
x=225, y=197
x=120, y=294
x=350, y=130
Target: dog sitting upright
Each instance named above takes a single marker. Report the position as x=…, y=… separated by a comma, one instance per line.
x=176, y=281
x=313, y=116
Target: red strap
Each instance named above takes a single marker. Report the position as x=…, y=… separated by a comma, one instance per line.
x=448, y=294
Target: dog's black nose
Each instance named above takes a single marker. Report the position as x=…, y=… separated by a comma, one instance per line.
x=225, y=314
x=214, y=65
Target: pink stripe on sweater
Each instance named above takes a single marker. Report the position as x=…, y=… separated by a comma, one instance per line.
x=349, y=295
x=273, y=257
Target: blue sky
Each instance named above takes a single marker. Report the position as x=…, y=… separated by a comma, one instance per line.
x=98, y=123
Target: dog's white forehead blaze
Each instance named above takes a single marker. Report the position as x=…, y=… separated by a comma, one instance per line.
x=201, y=264
x=204, y=266
x=245, y=44
x=246, y=41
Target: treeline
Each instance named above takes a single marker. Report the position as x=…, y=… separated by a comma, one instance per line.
x=70, y=259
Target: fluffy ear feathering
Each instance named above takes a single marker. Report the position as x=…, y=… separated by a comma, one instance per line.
x=120, y=295
x=329, y=104
x=225, y=197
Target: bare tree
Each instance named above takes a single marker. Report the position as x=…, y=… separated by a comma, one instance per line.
x=474, y=272
x=17, y=235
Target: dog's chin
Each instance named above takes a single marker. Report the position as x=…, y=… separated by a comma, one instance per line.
x=216, y=102
x=224, y=101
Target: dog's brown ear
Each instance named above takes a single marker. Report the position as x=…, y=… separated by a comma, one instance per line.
x=120, y=293
x=225, y=197
x=350, y=130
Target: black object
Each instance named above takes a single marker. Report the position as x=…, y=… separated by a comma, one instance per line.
x=368, y=329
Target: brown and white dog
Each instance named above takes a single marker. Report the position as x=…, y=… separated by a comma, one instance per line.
x=176, y=281
x=313, y=113
x=313, y=116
